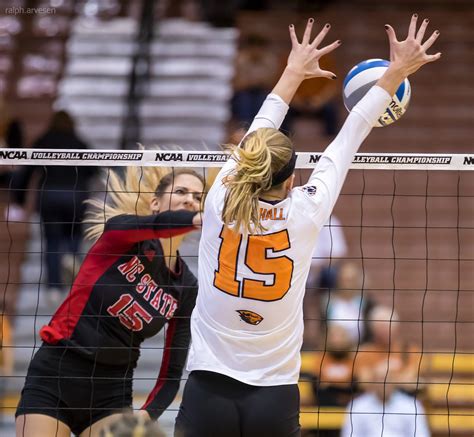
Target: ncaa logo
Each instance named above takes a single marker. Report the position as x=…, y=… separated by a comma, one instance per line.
x=10, y=154
x=165, y=156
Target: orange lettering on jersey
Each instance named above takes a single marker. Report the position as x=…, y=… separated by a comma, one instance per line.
x=271, y=214
x=280, y=267
x=224, y=276
x=262, y=257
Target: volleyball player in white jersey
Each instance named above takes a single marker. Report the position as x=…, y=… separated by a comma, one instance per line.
x=255, y=253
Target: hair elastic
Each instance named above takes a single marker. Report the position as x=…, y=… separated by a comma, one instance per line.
x=285, y=172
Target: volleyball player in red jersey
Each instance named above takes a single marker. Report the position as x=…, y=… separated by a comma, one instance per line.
x=131, y=284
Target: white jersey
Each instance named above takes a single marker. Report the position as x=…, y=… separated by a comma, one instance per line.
x=248, y=318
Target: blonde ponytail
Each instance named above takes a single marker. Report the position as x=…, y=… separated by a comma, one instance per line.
x=262, y=154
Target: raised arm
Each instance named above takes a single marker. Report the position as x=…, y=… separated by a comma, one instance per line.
x=303, y=63
x=406, y=57
x=123, y=231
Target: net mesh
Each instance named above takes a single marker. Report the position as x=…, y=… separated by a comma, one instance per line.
x=389, y=299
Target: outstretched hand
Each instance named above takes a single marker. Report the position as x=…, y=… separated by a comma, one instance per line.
x=304, y=57
x=409, y=55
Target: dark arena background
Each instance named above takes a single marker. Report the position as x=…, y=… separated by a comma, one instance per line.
x=189, y=75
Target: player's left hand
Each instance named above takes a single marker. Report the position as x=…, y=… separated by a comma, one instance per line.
x=305, y=55
x=410, y=54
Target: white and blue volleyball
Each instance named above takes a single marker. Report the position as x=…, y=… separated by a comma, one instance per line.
x=362, y=77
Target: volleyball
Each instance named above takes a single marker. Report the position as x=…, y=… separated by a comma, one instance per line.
x=362, y=77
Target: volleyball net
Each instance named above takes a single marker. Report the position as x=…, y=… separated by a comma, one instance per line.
x=396, y=260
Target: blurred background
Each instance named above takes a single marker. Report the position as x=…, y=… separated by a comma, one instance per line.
x=193, y=73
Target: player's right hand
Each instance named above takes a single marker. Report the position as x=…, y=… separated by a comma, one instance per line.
x=305, y=55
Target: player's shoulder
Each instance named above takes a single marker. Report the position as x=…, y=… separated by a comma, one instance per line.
x=306, y=198
x=305, y=192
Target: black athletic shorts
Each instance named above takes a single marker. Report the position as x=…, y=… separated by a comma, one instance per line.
x=73, y=389
x=215, y=405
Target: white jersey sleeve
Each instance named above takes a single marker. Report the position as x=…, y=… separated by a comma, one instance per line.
x=325, y=183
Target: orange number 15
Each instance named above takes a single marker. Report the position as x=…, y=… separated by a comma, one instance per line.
x=256, y=259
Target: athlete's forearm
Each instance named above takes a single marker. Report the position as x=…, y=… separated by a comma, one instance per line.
x=163, y=400
x=392, y=78
x=166, y=224
x=288, y=84
x=123, y=231
x=178, y=337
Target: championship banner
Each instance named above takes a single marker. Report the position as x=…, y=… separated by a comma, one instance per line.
x=190, y=158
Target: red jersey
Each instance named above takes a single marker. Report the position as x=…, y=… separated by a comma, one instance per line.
x=125, y=293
